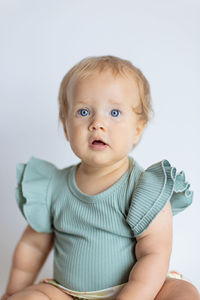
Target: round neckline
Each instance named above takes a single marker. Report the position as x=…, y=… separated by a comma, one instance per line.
x=102, y=195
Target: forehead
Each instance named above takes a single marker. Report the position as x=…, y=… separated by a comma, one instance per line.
x=104, y=86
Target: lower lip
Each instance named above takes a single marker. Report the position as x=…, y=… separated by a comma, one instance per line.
x=98, y=146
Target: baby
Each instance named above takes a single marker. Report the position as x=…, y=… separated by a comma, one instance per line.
x=108, y=220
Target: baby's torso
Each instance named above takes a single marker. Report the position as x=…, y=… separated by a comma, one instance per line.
x=94, y=245
x=96, y=248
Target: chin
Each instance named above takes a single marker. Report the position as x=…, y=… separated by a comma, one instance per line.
x=97, y=161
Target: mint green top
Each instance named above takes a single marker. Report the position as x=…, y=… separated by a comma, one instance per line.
x=95, y=235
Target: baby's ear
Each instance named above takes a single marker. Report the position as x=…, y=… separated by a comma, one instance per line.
x=65, y=130
x=141, y=126
x=139, y=130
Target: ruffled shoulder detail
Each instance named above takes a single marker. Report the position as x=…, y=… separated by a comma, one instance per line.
x=33, y=193
x=157, y=184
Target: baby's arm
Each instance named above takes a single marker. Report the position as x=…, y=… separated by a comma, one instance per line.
x=153, y=251
x=29, y=256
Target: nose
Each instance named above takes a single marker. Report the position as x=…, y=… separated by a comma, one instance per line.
x=96, y=124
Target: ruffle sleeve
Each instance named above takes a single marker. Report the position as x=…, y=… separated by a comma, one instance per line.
x=33, y=193
x=157, y=184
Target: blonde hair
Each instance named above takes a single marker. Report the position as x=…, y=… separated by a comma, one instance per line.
x=90, y=65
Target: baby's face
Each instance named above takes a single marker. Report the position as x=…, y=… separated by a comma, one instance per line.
x=100, y=108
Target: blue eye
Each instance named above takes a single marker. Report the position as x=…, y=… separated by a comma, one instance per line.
x=115, y=112
x=83, y=112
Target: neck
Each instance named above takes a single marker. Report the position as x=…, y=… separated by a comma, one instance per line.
x=95, y=172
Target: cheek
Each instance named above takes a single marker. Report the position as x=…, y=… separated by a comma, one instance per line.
x=125, y=128
x=123, y=135
x=127, y=134
x=76, y=132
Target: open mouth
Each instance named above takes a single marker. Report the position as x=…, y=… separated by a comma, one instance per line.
x=98, y=145
x=98, y=142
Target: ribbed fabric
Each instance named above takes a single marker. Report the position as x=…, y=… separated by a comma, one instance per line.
x=95, y=234
x=158, y=184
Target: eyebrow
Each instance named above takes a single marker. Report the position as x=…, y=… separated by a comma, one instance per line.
x=115, y=102
x=80, y=102
x=110, y=101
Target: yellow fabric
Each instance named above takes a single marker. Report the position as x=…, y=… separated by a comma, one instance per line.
x=106, y=294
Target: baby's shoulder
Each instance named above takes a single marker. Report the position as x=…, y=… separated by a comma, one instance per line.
x=41, y=176
x=155, y=186
x=39, y=185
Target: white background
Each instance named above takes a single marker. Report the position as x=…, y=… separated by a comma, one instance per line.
x=41, y=40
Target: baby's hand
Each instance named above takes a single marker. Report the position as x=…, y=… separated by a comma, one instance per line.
x=5, y=296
